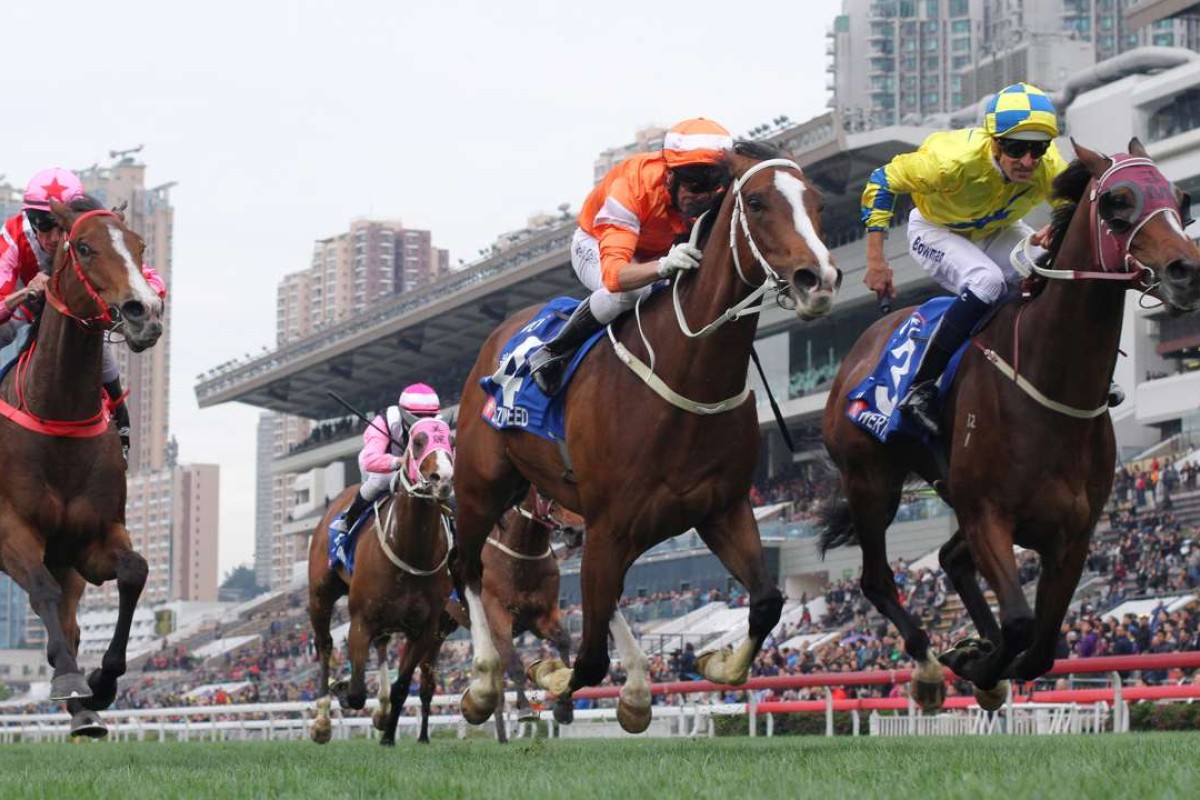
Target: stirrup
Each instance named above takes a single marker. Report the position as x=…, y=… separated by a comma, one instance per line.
x=548, y=374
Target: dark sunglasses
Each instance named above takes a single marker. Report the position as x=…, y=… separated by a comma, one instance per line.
x=1017, y=148
x=42, y=221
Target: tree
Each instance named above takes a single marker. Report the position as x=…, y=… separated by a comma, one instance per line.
x=240, y=585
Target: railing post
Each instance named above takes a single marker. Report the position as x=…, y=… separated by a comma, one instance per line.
x=855, y=724
x=1119, y=722
x=828, y=711
x=752, y=707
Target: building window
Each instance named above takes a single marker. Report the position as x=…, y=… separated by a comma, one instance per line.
x=1181, y=114
x=931, y=9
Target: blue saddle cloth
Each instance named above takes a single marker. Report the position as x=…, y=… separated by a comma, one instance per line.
x=873, y=402
x=514, y=400
x=342, y=546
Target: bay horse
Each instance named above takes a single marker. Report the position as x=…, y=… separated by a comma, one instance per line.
x=62, y=500
x=520, y=587
x=647, y=459
x=1030, y=448
x=400, y=584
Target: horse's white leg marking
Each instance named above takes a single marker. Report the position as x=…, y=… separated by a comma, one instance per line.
x=636, y=690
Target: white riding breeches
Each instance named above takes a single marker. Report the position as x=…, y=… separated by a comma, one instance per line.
x=957, y=263
x=585, y=260
x=375, y=485
x=110, y=371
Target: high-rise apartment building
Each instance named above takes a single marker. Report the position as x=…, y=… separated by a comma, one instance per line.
x=374, y=260
x=195, y=492
x=897, y=61
x=644, y=141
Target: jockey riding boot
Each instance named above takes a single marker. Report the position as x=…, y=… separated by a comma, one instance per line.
x=1116, y=395
x=921, y=402
x=342, y=524
x=548, y=363
x=114, y=391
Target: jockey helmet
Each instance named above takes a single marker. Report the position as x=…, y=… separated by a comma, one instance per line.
x=420, y=400
x=696, y=141
x=54, y=183
x=1021, y=111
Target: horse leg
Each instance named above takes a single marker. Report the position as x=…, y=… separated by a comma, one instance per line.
x=84, y=722
x=733, y=537
x=428, y=686
x=379, y=718
x=955, y=558
x=633, y=705
x=359, y=644
x=1056, y=587
x=564, y=707
x=872, y=497
x=991, y=540
x=408, y=664
x=130, y=569
x=22, y=553
x=321, y=599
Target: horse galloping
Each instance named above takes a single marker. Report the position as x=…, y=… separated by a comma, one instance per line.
x=648, y=458
x=62, y=501
x=400, y=584
x=520, y=586
x=1030, y=447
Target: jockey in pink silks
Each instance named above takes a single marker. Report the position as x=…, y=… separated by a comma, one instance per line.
x=27, y=244
x=379, y=458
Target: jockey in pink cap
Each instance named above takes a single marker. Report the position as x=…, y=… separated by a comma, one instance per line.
x=384, y=442
x=27, y=244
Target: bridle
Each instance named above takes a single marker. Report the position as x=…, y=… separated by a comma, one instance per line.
x=539, y=516
x=109, y=317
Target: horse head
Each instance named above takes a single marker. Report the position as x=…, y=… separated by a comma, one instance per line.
x=429, y=460
x=1138, y=220
x=565, y=525
x=777, y=222
x=97, y=276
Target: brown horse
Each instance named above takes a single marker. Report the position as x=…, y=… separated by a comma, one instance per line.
x=520, y=586
x=1029, y=462
x=62, y=500
x=648, y=458
x=400, y=584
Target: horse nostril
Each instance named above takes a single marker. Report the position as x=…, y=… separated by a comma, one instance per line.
x=1180, y=271
x=805, y=279
x=133, y=310
x=434, y=477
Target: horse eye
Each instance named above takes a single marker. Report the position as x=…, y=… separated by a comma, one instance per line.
x=755, y=203
x=83, y=250
x=1119, y=225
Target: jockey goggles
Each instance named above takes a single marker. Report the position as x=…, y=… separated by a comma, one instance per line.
x=701, y=178
x=42, y=221
x=1017, y=148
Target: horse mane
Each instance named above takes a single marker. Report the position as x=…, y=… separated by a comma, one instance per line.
x=1069, y=187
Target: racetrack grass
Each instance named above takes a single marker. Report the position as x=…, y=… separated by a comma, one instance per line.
x=1110, y=766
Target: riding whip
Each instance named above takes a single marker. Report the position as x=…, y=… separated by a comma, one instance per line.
x=363, y=417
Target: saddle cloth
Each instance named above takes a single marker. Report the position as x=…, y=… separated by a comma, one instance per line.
x=873, y=402
x=342, y=546
x=514, y=400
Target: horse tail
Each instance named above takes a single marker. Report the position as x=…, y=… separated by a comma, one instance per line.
x=835, y=527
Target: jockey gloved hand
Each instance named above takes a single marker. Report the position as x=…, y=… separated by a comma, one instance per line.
x=683, y=256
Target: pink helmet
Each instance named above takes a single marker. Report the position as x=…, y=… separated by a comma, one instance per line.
x=53, y=183
x=420, y=400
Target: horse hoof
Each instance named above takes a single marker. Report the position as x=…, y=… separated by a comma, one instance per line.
x=379, y=719
x=539, y=671
x=69, y=686
x=929, y=695
x=87, y=723
x=720, y=666
x=476, y=713
x=564, y=712
x=633, y=719
x=321, y=731
x=527, y=714
x=992, y=699
x=387, y=741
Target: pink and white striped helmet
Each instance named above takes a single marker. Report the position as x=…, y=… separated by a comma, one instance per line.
x=54, y=183
x=420, y=400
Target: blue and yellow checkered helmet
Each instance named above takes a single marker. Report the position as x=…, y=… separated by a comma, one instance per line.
x=1021, y=111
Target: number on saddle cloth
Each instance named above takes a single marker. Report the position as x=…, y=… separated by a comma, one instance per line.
x=873, y=403
x=514, y=400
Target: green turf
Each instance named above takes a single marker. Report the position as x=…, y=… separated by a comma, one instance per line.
x=1127, y=766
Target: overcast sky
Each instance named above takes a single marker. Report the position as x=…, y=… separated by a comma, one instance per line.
x=283, y=121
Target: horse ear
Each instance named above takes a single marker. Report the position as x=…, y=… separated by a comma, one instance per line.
x=64, y=215
x=1096, y=164
x=1137, y=149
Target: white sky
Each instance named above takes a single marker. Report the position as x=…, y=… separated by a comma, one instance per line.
x=283, y=121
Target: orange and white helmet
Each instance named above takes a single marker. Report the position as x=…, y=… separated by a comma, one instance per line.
x=696, y=141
